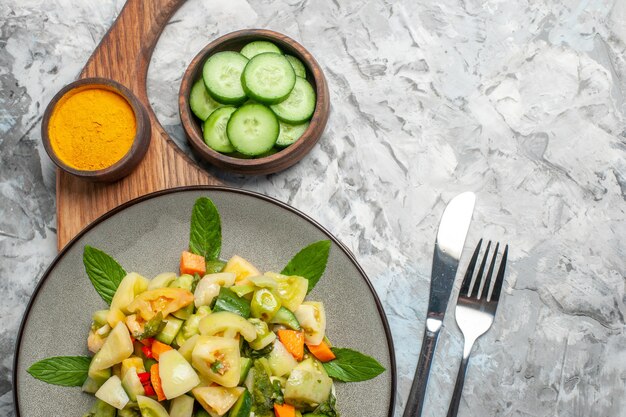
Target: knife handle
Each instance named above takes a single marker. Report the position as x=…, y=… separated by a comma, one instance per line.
x=415, y=402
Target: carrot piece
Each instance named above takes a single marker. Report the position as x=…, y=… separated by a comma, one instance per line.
x=190, y=263
x=155, y=379
x=158, y=348
x=322, y=352
x=293, y=341
x=284, y=410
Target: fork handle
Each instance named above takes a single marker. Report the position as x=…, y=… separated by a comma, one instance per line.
x=415, y=402
x=460, y=381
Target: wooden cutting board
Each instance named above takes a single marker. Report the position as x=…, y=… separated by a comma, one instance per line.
x=124, y=55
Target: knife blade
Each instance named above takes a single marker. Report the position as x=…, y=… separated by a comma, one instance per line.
x=449, y=244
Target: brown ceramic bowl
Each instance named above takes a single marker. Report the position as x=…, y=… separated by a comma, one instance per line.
x=137, y=150
x=288, y=156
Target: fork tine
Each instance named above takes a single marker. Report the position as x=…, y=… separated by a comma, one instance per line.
x=492, y=266
x=479, y=275
x=497, y=287
x=467, y=279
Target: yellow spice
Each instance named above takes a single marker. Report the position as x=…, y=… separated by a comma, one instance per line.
x=92, y=128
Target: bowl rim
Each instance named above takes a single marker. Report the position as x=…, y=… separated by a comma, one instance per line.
x=282, y=159
x=141, y=139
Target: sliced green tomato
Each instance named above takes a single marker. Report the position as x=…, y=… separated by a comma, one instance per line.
x=285, y=317
x=185, y=281
x=217, y=400
x=221, y=321
x=162, y=280
x=218, y=359
x=312, y=318
x=299, y=106
x=252, y=129
x=132, y=385
x=268, y=78
x=222, y=77
x=290, y=289
x=186, y=349
x=132, y=362
x=243, y=406
x=132, y=285
x=264, y=281
x=214, y=130
x=117, y=347
x=264, y=336
x=150, y=407
x=177, y=375
x=201, y=102
x=308, y=385
x=102, y=409
x=100, y=318
x=289, y=134
x=209, y=287
x=112, y=393
x=297, y=65
x=242, y=270
x=115, y=316
x=163, y=300
x=182, y=406
x=264, y=304
x=281, y=362
x=213, y=267
x=242, y=290
x=258, y=47
x=90, y=386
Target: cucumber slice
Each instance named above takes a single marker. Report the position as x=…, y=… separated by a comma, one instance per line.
x=268, y=78
x=297, y=65
x=201, y=102
x=258, y=47
x=246, y=364
x=299, y=106
x=182, y=406
x=253, y=129
x=215, y=130
x=285, y=317
x=290, y=133
x=169, y=332
x=243, y=406
x=222, y=76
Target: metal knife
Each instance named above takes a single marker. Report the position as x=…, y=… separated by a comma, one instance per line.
x=448, y=247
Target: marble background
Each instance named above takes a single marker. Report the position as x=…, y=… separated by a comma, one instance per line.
x=519, y=101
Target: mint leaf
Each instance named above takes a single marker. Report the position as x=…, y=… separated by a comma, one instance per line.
x=103, y=271
x=310, y=262
x=352, y=366
x=205, y=234
x=68, y=371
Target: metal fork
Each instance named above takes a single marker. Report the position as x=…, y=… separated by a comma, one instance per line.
x=475, y=309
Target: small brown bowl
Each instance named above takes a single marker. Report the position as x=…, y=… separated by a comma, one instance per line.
x=288, y=156
x=138, y=149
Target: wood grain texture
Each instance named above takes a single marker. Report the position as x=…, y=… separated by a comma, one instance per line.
x=124, y=55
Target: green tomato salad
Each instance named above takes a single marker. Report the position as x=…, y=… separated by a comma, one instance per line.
x=218, y=338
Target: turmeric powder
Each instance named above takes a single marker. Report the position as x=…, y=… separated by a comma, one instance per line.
x=91, y=129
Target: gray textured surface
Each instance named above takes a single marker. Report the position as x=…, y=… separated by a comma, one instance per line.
x=250, y=227
x=519, y=101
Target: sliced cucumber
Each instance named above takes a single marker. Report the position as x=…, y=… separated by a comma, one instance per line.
x=297, y=65
x=290, y=133
x=299, y=106
x=285, y=317
x=215, y=130
x=201, y=102
x=258, y=47
x=243, y=406
x=253, y=129
x=169, y=332
x=222, y=77
x=268, y=78
x=182, y=406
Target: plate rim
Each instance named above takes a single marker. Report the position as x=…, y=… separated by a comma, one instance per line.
x=221, y=188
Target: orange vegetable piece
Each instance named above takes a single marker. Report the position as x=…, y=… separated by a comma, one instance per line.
x=322, y=352
x=158, y=348
x=190, y=263
x=155, y=379
x=284, y=410
x=293, y=341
